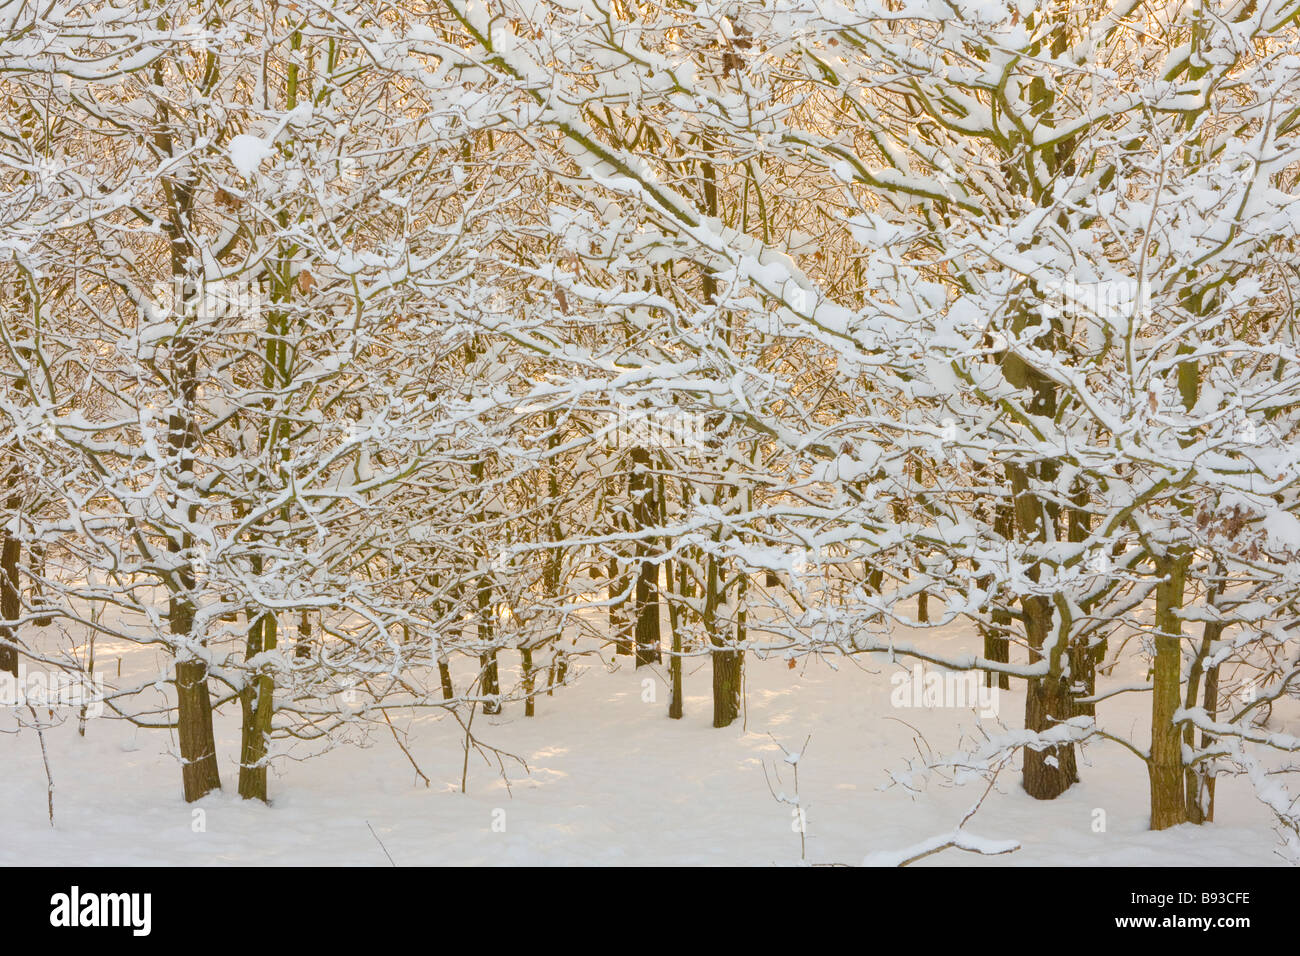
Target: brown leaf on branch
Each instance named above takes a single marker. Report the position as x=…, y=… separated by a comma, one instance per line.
x=228, y=200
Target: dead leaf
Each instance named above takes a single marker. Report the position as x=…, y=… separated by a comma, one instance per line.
x=227, y=200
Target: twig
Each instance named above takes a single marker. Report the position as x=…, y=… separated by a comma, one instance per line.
x=792, y=760
x=464, y=767
x=483, y=748
x=393, y=730
x=380, y=842
x=49, y=778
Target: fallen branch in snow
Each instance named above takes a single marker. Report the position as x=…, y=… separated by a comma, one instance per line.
x=957, y=839
x=380, y=842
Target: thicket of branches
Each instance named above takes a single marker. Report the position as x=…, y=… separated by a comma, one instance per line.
x=364, y=357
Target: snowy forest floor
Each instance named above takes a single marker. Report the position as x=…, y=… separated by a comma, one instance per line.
x=611, y=781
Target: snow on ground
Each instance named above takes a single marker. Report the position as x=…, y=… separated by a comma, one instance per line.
x=612, y=781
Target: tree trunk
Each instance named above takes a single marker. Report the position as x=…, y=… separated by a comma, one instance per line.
x=489, y=679
x=645, y=510
x=620, y=626
x=1083, y=657
x=997, y=645
x=728, y=661
x=491, y=682
x=648, y=649
x=199, y=773
x=922, y=599
x=1165, y=767
x=257, y=701
x=37, y=554
x=1048, y=772
x=728, y=671
x=10, y=605
x=675, y=705
x=1197, y=779
x=1083, y=676
x=444, y=676
x=1211, y=709
x=997, y=648
x=530, y=680
x=302, y=647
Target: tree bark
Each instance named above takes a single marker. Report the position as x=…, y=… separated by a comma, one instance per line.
x=36, y=553
x=645, y=509
x=491, y=682
x=728, y=672
x=444, y=676
x=997, y=645
x=620, y=625
x=728, y=661
x=530, y=680
x=1211, y=709
x=1165, y=767
x=257, y=706
x=1199, y=782
x=675, y=622
x=10, y=605
x=302, y=647
x=199, y=773
x=1048, y=772
x=488, y=674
